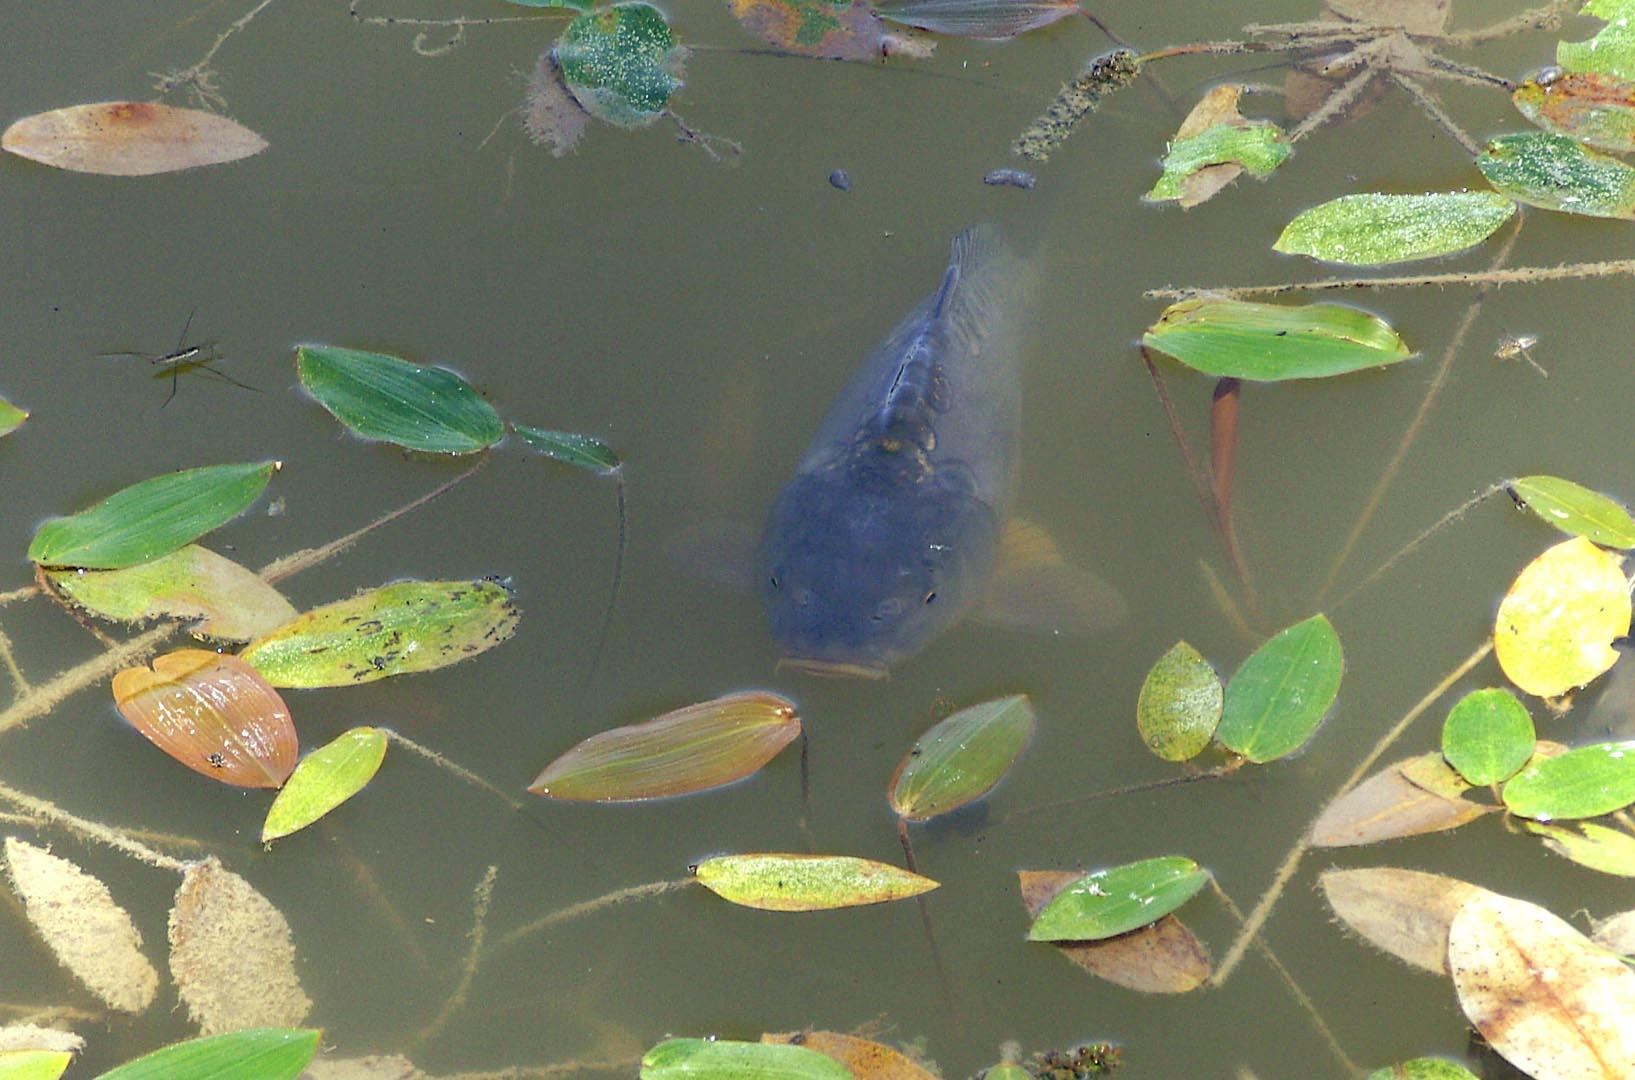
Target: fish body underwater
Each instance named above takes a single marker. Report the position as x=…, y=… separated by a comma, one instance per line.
x=891, y=525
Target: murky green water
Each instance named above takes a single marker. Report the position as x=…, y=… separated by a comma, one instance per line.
x=699, y=318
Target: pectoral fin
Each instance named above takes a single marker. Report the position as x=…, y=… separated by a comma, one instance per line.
x=1034, y=589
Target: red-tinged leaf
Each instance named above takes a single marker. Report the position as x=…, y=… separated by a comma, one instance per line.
x=1164, y=958
x=865, y=1058
x=130, y=138
x=214, y=714
x=693, y=749
x=779, y=882
x=1593, y=107
x=961, y=758
x=835, y=29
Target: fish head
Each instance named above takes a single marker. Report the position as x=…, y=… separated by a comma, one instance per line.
x=855, y=581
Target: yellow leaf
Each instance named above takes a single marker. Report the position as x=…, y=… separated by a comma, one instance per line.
x=1556, y=625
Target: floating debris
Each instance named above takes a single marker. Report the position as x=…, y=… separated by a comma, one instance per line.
x=1101, y=76
x=840, y=180
x=1017, y=178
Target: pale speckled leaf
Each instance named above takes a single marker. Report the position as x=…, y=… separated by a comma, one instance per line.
x=1554, y=172
x=621, y=62
x=1213, y=137
x=781, y=882
x=1612, y=50
x=1180, y=704
x=1372, y=229
x=1424, y=1068
x=1595, y=108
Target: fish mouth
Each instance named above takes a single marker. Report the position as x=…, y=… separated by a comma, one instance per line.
x=833, y=669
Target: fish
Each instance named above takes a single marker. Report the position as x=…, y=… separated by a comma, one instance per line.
x=891, y=528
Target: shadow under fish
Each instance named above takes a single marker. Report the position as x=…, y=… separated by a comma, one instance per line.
x=897, y=523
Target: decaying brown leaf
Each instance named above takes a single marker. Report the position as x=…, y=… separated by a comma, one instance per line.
x=130, y=138
x=1404, y=912
x=867, y=1059
x=34, y=1037
x=1219, y=106
x=1617, y=934
x=550, y=115
x=92, y=936
x=231, y=954
x=1163, y=958
x=374, y=1067
x=1388, y=805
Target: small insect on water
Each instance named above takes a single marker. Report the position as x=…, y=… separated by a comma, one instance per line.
x=1512, y=346
x=183, y=358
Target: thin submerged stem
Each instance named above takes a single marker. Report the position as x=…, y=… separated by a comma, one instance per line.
x=115, y=838
x=589, y=907
x=1408, y=549
x=1519, y=275
x=482, y=898
x=448, y=766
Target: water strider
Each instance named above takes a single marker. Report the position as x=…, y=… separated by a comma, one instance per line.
x=183, y=358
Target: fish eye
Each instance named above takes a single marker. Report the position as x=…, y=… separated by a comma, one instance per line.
x=931, y=596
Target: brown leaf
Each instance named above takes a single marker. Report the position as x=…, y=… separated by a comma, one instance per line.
x=550, y=115
x=231, y=954
x=1617, y=933
x=1386, y=806
x=33, y=1037
x=1414, y=16
x=91, y=935
x=374, y=1067
x=130, y=138
x=1404, y=912
x=1163, y=958
x=867, y=1060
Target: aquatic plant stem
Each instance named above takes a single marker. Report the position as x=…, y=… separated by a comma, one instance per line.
x=913, y=867
x=482, y=898
x=18, y=680
x=1520, y=275
x=199, y=76
x=458, y=770
x=588, y=907
x=1291, y=862
x=48, y=695
x=1408, y=549
x=622, y=510
x=93, y=830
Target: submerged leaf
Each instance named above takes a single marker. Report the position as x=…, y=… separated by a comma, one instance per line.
x=728, y=1059
x=1575, y=509
x=1180, y=704
x=1110, y=902
x=253, y=1054
x=865, y=1059
x=395, y=629
x=1556, y=624
x=692, y=749
x=230, y=602
x=621, y=63
x=324, y=779
x=1368, y=230
x=1612, y=51
x=580, y=451
x=961, y=758
x=11, y=417
x=130, y=138
x=550, y=115
x=777, y=882
x=384, y=399
x=1213, y=146
x=1558, y=173
x=1414, y=16
x=151, y=518
x=1389, y=805
x=1164, y=958
x=1488, y=736
x=90, y=934
x=835, y=29
x=1611, y=851
x=1278, y=696
x=213, y=713
x=1404, y=912
x=1586, y=782
x=1594, y=108
x=1270, y=342
x=990, y=19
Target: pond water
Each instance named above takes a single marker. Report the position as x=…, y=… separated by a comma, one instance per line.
x=699, y=317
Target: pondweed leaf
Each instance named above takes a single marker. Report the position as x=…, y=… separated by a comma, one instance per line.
x=693, y=749
x=1271, y=342
x=1612, y=51
x=213, y=713
x=229, y=602
x=1280, y=694
x=834, y=29
x=11, y=417
x=33, y=1064
x=1424, y=1068
x=989, y=19
x=780, y=882
x=621, y=63
x=1164, y=958
x=1556, y=624
x=384, y=399
x=252, y=1054
x=864, y=1058
x=727, y=1059
x=1180, y=704
x=1557, y=173
x=1611, y=851
x=1586, y=782
x=324, y=779
x=130, y=138
x=1369, y=230
x=1213, y=146
x=1389, y=805
x=1488, y=736
x=1114, y=901
x=1575, y=509
x=1404, y=912
x=151, y=518
x=580, y=451
x=961, y=758
x=1594, y=108
x=395, y=629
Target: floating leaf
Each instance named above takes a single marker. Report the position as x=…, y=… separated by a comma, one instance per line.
x=1611, y=851
x=776, y=882
x=1109, y=902
x=11, y=417
x=692, y=749
x=1404, y=912
x=90, y=934
x=986, y=19
x=581, y=451
x=1280, y=694
x=1617, y=934
x=1586, y=782
x=32, y=1037
x=835, y=29
x=253, y=1054
x=1575, y=510
x=395, y=629
x=1164, y=958
x=1612, y=51
x=130, y=138
x=1488, y=736
x=1367, y=230
x=961, y=758
x=1389, y=805
x=1271, y=342
x=1594, y=108
x=231, y=954
x=864, y=1059
x=1558, y=173
x=621, y=63
x=1213, y=146
x=384, y=399
x=151, y=518
x=1552, y=1002
x=324, y=779
x=1425, y=1068
x=213, y=713
x=576, y=5
x=33, y=1064
x=1556, y=625
x=728, y=1059
x=1180, y=704
x=230, y=602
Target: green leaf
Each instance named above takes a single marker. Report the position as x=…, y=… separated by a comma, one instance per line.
x=395, y=629
x=231, y=602
x=989, y=19
x=1120, y=899
x=324, y=779
x=1488, y=736
x=778, y=882
x=580, y=451
x=1611, y=51
x=251, y=1054
x=961, y=758
x=1594, y=108
x=33, y=1064
x=1258, y=146
x=1556, y=624
x=1279, y=695
x=1424, y=1068
x=693, y=749
x=1558, y=173
x=1367, y=230
x=151, y=518
x=11, y=417
x=621, y=63
x=726, y=1059
x=1271, y=342
x=1611, y=851
x=384, y=399
x=1586, y=782
x=1575, y=510
x=1180, y=704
